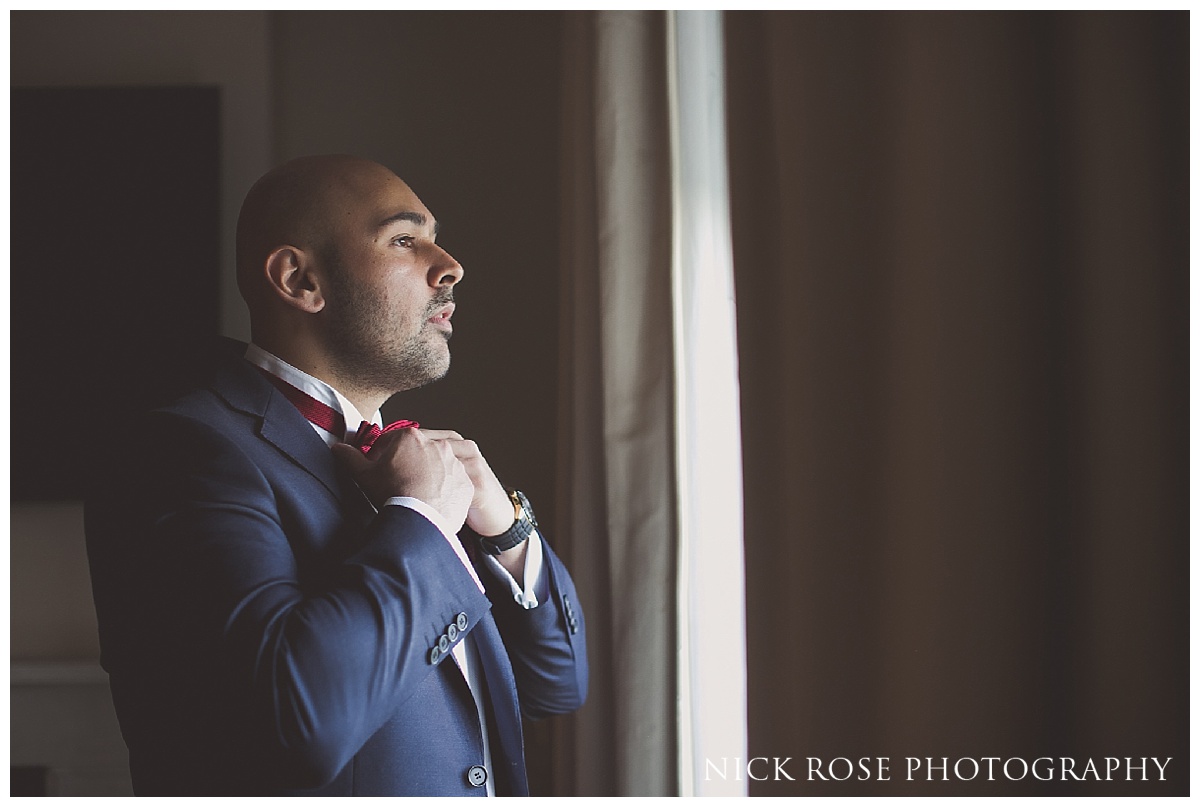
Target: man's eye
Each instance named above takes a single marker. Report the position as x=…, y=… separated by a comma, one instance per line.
x=405, y=241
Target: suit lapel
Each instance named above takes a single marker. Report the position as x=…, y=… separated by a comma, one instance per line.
x=285, y=428
x=241, y=385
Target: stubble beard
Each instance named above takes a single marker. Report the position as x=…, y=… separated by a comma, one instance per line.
x=368, y=352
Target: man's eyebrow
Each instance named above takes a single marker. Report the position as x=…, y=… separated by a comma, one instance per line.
x=408, y=215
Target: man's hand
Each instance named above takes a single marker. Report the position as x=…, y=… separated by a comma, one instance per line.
x=407, y=462
x=491, y=511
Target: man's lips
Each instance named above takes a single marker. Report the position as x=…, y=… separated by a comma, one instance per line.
x=441, y=319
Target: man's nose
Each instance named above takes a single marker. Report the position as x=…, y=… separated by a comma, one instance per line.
x=445, y=271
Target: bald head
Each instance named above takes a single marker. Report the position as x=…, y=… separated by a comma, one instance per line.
x=339, y=264
x=300, y=204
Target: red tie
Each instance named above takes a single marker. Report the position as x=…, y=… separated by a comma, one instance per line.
x=331, y=420
x=368, y=432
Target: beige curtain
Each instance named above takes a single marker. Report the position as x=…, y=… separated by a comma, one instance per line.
x=617, y=487
x=961, y=247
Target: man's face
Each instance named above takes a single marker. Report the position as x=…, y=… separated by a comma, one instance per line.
x=389, y=289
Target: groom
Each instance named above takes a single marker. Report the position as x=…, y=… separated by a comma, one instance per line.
x=294, y=598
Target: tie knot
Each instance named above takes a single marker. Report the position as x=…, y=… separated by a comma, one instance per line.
x=368, y=433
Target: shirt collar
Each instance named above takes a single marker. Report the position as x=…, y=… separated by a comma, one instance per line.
x=315, y=387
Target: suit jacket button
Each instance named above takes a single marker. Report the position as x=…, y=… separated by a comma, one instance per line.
x=435, y=656
x=452, y=632
x=461, y=621
x=443, y=643
x=477, y=776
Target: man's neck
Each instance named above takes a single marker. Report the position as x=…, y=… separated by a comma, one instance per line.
x=315, y=364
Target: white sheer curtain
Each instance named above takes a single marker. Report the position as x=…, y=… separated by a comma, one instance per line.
x=655, y=543
x=712, y=635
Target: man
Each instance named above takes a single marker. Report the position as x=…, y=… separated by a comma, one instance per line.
x=281, y=612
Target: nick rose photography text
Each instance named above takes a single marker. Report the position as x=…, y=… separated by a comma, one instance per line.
x=939, y=769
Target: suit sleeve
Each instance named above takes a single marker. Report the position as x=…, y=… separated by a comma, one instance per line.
x=547, y=645
x=195, y=567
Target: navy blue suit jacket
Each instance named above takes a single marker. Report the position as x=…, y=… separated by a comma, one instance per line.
x=266, y=632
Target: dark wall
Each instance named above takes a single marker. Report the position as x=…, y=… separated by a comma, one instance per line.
x=114, y=237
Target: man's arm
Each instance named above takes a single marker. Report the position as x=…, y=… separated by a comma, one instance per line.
x=547, y=644
x=208, y=568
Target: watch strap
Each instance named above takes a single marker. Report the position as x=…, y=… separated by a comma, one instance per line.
x=524, y=523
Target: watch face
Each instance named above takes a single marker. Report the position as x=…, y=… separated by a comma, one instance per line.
x=524, y=502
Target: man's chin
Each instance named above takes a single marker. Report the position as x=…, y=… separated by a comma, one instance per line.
x=426, y=374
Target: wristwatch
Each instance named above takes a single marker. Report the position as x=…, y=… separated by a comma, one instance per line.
x=524, y=523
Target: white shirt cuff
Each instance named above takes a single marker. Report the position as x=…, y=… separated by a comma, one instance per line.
x=535, y=587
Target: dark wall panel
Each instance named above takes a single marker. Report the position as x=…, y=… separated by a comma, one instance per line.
x=114, y=252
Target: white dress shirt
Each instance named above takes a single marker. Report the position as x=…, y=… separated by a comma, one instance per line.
x=465, y=654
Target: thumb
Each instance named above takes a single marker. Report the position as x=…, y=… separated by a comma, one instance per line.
x=350, y=457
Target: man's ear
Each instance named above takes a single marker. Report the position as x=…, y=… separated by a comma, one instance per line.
x=290, y=274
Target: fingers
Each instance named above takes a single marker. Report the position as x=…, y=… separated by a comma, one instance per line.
x=491, y=510
x=437, y=466
x=441, y=434
x=387, y=441
x=463, y=449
